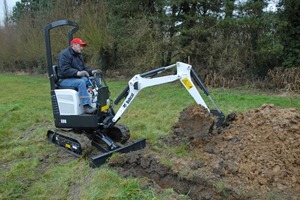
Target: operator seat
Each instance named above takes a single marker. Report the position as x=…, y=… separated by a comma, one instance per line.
x=56, y=79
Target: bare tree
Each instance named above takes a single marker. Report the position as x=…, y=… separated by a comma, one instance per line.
x=6, y=12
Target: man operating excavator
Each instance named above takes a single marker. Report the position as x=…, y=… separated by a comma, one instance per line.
x=72, y=72
x=101, y=128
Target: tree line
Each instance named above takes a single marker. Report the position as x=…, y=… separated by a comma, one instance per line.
x=235, y=39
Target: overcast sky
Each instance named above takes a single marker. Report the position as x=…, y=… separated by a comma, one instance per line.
x=10, y=5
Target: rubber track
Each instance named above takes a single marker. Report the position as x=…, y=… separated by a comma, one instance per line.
x=81, y=138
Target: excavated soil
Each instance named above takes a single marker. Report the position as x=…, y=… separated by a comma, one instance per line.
x=254, y=155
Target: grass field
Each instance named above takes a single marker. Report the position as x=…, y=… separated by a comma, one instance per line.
x=26, y=115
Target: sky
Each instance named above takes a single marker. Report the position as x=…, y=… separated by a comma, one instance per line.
x=10, y=5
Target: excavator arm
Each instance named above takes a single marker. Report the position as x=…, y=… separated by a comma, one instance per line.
x=184, y=73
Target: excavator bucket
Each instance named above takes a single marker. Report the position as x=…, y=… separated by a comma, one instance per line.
x=220, y=116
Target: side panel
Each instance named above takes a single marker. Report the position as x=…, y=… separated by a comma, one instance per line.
x=74, y=121
x=65, y=104
x=68, y=102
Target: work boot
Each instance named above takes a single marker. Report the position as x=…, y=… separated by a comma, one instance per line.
x=89, y=109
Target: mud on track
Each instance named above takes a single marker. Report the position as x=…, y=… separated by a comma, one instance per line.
x=255, y=155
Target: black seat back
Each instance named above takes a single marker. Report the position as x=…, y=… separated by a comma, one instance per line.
x=56, y=79
x=54, y=69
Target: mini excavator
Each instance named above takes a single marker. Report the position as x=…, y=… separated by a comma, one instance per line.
x=75, y=131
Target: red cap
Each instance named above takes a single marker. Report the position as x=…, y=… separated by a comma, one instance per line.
x=78, y=41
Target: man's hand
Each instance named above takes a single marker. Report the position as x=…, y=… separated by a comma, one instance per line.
x=96, y=71
x=83, y=73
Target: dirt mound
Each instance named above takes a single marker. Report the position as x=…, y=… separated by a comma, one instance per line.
x=254, y=155
x=193, y=120
x=260, y=151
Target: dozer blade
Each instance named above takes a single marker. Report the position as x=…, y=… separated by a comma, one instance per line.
x=100, y=159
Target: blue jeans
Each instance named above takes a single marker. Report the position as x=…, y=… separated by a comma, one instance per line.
x=81, y=84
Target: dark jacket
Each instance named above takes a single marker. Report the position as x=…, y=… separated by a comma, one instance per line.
x=69, y=63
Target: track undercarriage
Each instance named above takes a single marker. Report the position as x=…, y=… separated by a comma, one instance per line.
x=100, y=145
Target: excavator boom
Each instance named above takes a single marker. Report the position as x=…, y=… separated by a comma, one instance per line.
x=184, y=73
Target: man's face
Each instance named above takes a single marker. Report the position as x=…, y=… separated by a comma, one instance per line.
x=77, y=47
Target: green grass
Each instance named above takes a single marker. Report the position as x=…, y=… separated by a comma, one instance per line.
x=26, y=115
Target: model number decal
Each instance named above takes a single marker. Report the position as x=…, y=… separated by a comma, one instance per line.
x=63, y=121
